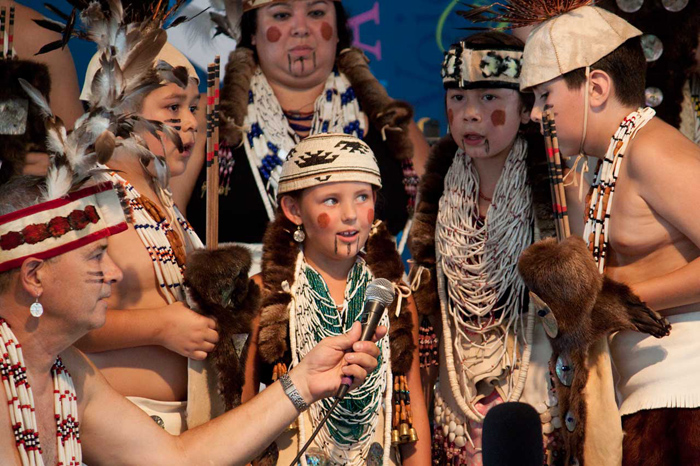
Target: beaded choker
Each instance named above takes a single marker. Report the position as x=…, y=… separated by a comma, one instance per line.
x=20, y=401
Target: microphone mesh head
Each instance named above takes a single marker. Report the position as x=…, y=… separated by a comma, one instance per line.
x=381, y=290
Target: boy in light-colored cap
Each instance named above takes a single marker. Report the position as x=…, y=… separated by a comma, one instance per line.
x=587, y=66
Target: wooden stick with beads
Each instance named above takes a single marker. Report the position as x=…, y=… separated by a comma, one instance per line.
x=551, y=170
x=559, y=179
x=215, y=134
x=212, y=167
x=3, y=17
x=11, y=34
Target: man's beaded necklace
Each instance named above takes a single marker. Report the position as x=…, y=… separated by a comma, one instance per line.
x=20, y=402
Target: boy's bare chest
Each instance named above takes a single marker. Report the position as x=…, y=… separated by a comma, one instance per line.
x=636, y=231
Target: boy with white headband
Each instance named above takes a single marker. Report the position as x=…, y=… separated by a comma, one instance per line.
x=587, y=66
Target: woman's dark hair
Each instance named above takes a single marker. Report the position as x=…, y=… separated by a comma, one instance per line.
x=249, y=26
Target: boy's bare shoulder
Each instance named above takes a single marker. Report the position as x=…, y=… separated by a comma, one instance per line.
x=660, y=151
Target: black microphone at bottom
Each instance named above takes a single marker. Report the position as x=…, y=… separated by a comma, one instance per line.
x=379, y=295
x=512, y=436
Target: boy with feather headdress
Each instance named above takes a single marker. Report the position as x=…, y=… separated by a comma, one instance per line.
x=153, y=345
x=587, y=66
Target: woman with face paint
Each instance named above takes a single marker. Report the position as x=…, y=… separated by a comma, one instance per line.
x=293, y=74
x=479, y=210
x=319, y=256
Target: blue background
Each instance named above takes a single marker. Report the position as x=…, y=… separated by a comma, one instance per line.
x=405, y=46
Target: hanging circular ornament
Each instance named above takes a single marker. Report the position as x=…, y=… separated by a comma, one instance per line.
x=675, y=6
x=630, y=6
x=652, y=46
x=653, y=96
x=570, y=421
x=564, y=370
x=36, y=309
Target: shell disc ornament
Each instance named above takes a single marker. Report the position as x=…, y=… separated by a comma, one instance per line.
x=675, y=6
x=630, y=6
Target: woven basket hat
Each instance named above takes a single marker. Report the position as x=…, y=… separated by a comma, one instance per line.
x=570, y=41
x=328, y=158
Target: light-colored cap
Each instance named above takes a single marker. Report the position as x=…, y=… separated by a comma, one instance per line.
x=168, y=54
x=477, y=66
x=570, y=41
x=328, y=158
x=253, y=4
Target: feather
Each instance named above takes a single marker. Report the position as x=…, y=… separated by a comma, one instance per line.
x=38, y=99
x=70, y=26
x=162, y=171
x=59, y=181
x=141, y=56
x=51, y=46
x=104, y=147
x=51, y=25
x=520, y=13
x=177, y=75
x=234, y=15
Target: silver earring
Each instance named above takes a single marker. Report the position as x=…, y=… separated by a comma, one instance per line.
x=299, y=235
x=36, y=309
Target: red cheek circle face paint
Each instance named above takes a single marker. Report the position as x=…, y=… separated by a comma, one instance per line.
x=273, y=34
x=450, y=116
x=323, y=220
x=498, y=118
x=326, y=31
x=370, y=216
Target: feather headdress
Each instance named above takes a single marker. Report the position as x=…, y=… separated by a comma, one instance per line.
x=228, y=23
x=127, y=73
x=520, y=13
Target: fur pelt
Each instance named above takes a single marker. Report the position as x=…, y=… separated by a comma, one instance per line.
x=234, y=94
x=659, y=437
x=421, y=241
x=278, y=266
x=587, y=307
x=384, y=113
x=15, y=147
x=217, y=282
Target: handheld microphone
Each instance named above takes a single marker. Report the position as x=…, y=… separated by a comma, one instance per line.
x=512, y=436
x=379, y=295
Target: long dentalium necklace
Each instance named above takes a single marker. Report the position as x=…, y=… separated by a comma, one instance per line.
x=20, y=401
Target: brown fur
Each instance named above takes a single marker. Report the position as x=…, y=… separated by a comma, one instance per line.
x=15, y=148
x=279, y=261
x=234, y=94
x=587, y=307
x=218, y=283
x=660, y=437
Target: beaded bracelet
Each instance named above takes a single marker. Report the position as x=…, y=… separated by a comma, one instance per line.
x=291, y=391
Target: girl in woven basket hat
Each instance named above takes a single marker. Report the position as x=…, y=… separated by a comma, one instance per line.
x=319, y=255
